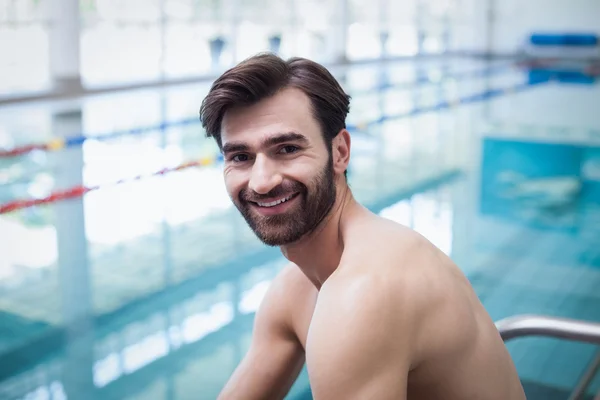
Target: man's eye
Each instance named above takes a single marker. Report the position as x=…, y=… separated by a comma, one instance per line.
x=240, y=158
x=289, y=149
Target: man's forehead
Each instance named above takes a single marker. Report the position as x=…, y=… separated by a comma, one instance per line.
x=287, y=111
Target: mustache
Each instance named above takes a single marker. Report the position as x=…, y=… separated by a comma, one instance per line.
x=279, y=191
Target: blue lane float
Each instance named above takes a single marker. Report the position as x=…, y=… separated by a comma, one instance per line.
x=564, y=39
x=537, y=75
x=563, y=45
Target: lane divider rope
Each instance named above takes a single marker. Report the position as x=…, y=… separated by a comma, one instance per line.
x=79, y=191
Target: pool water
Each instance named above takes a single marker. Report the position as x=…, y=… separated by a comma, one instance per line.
x=147, y=289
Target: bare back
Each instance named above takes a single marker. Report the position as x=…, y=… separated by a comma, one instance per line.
x=423, y=330
x=455, y=349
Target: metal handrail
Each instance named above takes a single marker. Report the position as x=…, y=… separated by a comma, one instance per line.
x=559, y=328
x=538, y=325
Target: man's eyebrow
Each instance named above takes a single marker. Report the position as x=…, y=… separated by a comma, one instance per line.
x=285, y=137
x=232, y=147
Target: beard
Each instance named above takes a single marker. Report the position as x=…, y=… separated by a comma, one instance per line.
x=315, y=203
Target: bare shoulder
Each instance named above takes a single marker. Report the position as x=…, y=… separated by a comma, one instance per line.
x=368, y=297
x=283, y=301
x=359, y=340
x=415, y=281
x=368, y=304
x=400, y=304
x=403, y=256
x=289, y=284
x=376, y=284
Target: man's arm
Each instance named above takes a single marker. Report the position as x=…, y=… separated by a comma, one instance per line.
x=275, y=357
x=357, y=348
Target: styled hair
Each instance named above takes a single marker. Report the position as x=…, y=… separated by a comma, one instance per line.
x=262, y=76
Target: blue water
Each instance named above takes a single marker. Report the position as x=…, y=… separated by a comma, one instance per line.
x=147, y=290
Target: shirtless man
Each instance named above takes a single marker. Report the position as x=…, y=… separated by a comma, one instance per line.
x=373, y=308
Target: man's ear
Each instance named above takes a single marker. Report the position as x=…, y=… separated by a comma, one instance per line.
x=341, y=151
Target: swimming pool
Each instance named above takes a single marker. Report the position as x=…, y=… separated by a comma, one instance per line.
x=499, y=170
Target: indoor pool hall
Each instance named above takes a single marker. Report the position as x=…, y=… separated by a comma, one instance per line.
x=127, y=272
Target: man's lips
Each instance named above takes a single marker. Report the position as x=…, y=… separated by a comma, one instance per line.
x=274, y=206
x=274, y=201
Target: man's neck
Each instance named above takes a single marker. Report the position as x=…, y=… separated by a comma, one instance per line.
x=318, y=254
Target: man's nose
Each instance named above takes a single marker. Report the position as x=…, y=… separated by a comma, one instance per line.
x=265, y=176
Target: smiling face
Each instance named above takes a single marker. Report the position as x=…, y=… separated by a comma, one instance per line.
x=278, y=170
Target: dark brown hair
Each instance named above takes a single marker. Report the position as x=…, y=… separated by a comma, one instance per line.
x=262, y=76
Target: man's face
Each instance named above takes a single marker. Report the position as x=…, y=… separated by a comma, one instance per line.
x=278, y=171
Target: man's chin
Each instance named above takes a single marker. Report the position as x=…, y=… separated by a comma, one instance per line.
x=274, y=239
x=272, y=242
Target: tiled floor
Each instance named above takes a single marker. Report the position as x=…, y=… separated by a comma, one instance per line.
x=507, y=182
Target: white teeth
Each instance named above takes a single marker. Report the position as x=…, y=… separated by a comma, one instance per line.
x=276, y=202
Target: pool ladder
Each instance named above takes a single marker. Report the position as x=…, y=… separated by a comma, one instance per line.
x=558, y=328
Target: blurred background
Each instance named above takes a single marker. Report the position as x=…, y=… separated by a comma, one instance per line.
x=126, y=273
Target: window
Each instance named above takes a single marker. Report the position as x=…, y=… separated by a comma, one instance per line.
x=24, y=28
